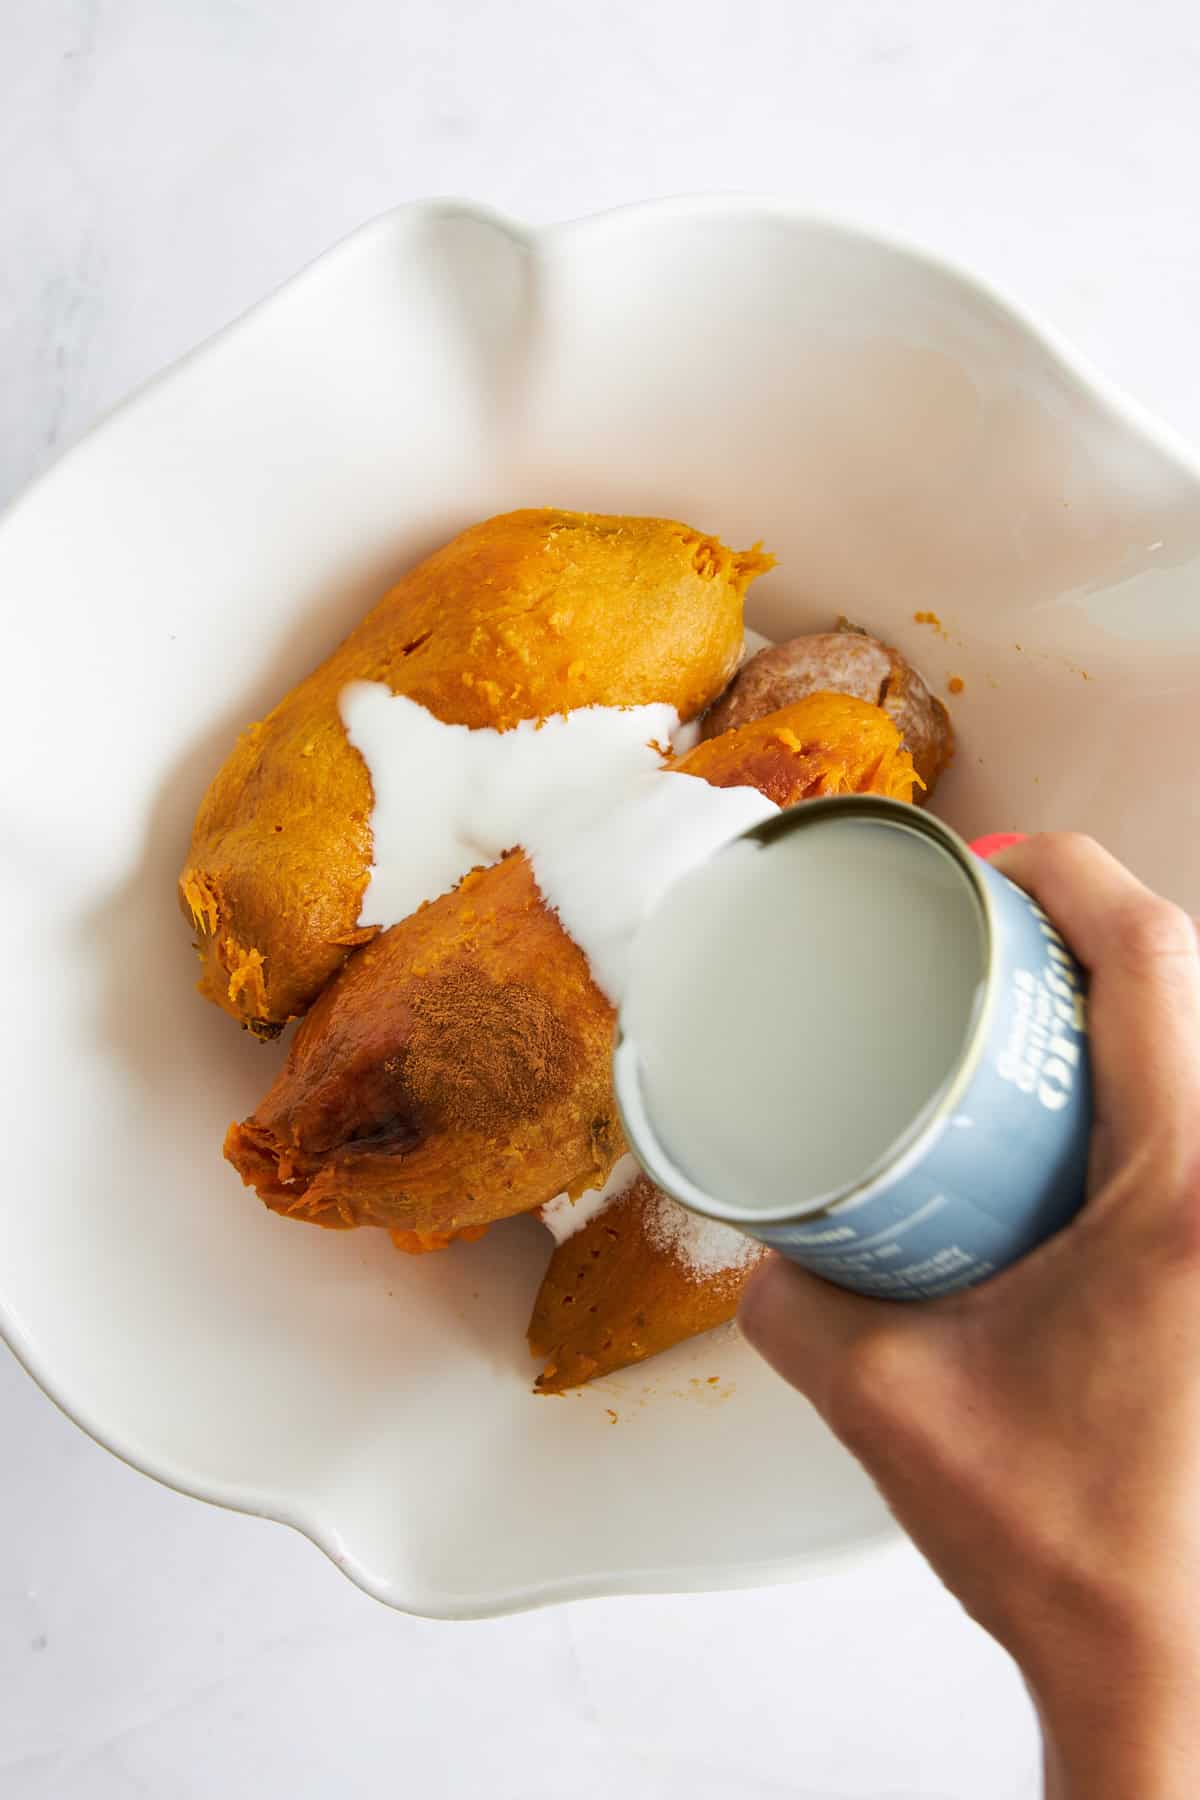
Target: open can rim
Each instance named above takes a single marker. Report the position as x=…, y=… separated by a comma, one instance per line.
x=912, y=1146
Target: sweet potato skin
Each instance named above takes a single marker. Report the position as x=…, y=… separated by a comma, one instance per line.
x=523, y=616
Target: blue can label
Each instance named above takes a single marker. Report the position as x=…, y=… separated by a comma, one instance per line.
x=1006, y=1165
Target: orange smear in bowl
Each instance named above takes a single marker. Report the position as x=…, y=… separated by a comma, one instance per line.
x=420, y=1243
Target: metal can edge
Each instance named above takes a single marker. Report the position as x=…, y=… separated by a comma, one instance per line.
x=909, y=1150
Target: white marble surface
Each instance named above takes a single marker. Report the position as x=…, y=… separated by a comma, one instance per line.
x=164, y=165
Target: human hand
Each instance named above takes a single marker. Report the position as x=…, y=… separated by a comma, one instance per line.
x=1039, y=1436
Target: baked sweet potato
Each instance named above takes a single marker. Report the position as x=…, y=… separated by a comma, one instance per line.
x=845, y=661
x=523, y=616
x=624, y=1287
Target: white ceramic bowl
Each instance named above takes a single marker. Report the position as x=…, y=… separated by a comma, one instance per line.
x=901, y=439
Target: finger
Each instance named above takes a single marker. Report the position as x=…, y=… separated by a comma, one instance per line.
x=1081, y=885
x=1143, y=956
x=804, y=1327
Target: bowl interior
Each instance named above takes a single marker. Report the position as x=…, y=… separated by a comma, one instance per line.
x=900, y=440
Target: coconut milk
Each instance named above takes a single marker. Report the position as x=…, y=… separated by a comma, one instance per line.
x=861, y=1044
x=798, y=1008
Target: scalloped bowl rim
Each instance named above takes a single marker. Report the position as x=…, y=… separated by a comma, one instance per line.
x=321, y=1531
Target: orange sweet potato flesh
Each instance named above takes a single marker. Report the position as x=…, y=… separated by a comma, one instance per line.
x=520, y=617
x=845, y=661
x=824, y=744
x=457, y=1069
x=613, y=1295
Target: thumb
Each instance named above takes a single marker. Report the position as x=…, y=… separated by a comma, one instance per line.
x=804, y=1326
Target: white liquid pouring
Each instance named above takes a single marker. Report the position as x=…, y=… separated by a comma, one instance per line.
x=584, y=794
x=607, y=828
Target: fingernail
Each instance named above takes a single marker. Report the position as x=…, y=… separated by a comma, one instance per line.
x=997, y=840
